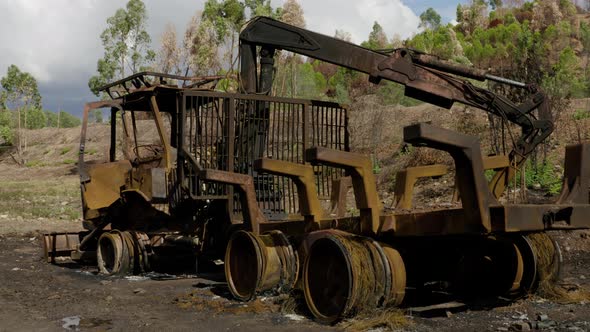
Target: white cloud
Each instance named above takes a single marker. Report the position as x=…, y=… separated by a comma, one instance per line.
x=393, y=15
x=58, y=41
x=51, y=38
x=357, y=17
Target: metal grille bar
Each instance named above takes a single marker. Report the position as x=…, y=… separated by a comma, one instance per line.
x=262, y=127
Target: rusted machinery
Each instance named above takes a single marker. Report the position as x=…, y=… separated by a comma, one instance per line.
x=180, y=191
x=349, y=265
x=247, y=177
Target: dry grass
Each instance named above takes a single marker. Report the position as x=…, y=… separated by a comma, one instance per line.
x=563, y=294
x=292, y=303
x=547, y=270
x=545, y=251
x=390, y=319
x=420, y=156
x=57, y=198
x=202, y=301
x=367, y=285
x=33, y=201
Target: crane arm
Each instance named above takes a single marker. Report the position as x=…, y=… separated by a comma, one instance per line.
x=424, y=76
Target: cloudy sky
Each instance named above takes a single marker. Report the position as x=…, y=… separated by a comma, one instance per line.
x=58, y=40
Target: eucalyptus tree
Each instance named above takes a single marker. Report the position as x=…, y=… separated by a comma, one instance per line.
x=126, y=45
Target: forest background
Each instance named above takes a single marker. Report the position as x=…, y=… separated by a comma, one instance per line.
x=546, y=43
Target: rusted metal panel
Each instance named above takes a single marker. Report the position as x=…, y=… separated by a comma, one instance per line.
x=229, y=131
x=105, y=183
x=466, y=153
x=406, y=179
x=576, y=179
x=253, y=216
x=360, y=169
x=435, y=222
x=499, y=163
x=340, y=188
x=495, y=162
x=531, y=217
x=59, y=245
x=159, y=184
x=303, y=176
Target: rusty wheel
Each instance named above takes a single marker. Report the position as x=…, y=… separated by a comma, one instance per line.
x=528, y=283
x=109, y=253
x=257, y=263
x=542, y=260
x=118, y=253
x=144, y=250
x=328, y=279
x=398, y=276
x=548, y=258
x=244, y=265
x=345, y=274
x=489, y=266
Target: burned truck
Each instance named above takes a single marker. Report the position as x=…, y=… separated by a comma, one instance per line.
x=158, y=193
x=260, y=181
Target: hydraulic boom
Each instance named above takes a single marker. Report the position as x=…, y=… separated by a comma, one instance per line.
x=424, y=76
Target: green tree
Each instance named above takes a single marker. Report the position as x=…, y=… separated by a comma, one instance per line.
x=459, y=14
x=310, y=84
x=51, y=119
x=430, y=19
x=228, y=17
x=36, y=118
x=21, y=93
x=343, y=35
x=292, y=13
x=287, y=66
x=126, y=45
x=168, y=58
x=66, y=120
x=98, y=115
x=200, y=48
x=377, y=38
x=61, y=119
x=20, y=88
x=262, y=8
x=343, y=85
x=2, y=100
x=495, y=4
x=6, y=127
x=95, y=116
x=562, y=82
x=533, y=42
x=472, y=16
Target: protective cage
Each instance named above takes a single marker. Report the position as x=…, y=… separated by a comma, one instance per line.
x=229, y=131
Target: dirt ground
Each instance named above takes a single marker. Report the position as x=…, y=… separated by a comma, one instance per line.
x=35, y=295
x=38, y=296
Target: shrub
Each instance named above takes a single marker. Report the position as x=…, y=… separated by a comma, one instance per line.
x=543, y=175
x=65, y=150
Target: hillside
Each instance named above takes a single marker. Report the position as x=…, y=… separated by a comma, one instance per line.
x=44, y=197
x=375, y=130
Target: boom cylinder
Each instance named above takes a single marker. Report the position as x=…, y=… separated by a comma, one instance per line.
x=434, y=62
